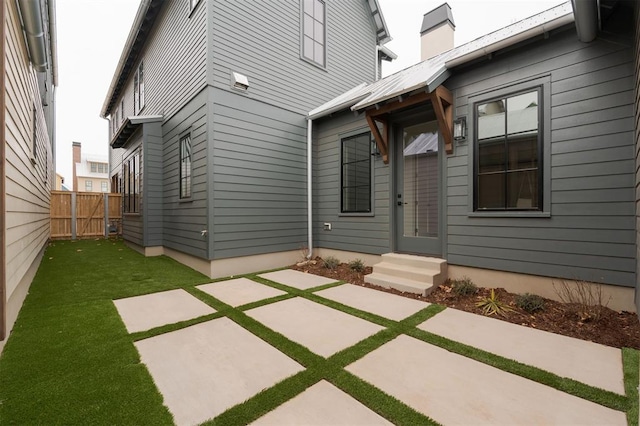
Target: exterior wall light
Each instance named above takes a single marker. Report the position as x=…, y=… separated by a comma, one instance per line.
x=239, y=81
x=460, y=129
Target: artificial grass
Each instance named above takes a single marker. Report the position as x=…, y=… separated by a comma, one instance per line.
x=70, y=359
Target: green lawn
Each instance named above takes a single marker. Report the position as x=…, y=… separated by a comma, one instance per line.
x=70, y=359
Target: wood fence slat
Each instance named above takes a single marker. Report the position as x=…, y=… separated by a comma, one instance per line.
x=89, y=214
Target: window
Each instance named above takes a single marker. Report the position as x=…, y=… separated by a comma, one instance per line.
x=313, y=31
x=508, y=152
x=356, y=174
x=185, y=167
x=103, y=187
x=88, y=185
x=121, y=111
x=138, y=89
x=94, y=167
x=131, y=184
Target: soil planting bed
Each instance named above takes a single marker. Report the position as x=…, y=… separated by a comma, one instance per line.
x=617, y=329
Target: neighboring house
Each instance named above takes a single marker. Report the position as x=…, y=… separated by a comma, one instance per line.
x=59, y=182
x=540, y=185
x=208, y=129
x=90, y=171
x=27, y=111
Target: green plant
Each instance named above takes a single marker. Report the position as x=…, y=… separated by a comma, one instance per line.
x=530, y=302
x=492, y=305
x=356, y=265
x=331, y=262
x=464, y=286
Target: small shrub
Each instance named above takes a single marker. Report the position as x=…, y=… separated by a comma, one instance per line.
x=531, y=303
x=356, y=265
x=584, y=300
x=464, y=287
x=331, y=262
x=491, y=305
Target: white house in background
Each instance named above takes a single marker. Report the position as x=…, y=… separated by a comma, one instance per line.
x=90, y=171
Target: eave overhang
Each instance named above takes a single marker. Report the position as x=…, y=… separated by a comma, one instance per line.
x=129, y=127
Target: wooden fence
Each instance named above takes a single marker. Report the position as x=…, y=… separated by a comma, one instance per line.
x=77, y=215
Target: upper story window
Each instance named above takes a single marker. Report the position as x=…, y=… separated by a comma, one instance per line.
x=355, y=161
x=314, y=31
x=138, y=89
x=185, y=167
x=508, y=152
x=121, y=111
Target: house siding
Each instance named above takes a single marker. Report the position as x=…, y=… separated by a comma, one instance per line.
x=591, y=232
x=366, y=234
x=259, y=177
x=261, y=39
x=171, y=80
x=27, y=184
x=152, y=195
x=637, y=145
x=183, y=221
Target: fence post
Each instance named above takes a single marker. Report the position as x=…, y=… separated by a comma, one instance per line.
x=73, y=215
x=106, y=214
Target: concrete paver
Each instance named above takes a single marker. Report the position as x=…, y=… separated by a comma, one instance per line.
x=452, y=389
x=297, y=279
x=386, y=305
x=587, y=362
x=239, y=291
x=207, y=368
x=320, y=405
x=141, y=313
x=323, y=330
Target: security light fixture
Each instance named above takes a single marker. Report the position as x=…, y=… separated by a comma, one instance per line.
x=460, y=129
x=239, y=81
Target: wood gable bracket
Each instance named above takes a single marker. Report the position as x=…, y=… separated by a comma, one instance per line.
x=442, y=101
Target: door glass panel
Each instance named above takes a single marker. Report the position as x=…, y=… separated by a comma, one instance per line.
x=420, y=180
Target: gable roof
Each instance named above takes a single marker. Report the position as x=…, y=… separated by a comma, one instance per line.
x=429, y=74
x=143, y=23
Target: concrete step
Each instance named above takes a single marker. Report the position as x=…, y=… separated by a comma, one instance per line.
x=401, y=284
x=415, y=261
x=425, y=275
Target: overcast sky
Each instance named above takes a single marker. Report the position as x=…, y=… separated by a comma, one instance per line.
x=92, y=33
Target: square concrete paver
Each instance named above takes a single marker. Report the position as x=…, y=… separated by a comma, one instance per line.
x=321, y=329
x=320, y=405
x=297, y=279
x=205, y=369
x=239, y=291
x=141, y=313
x=587, y=362
x=454, y=390
x=377, y=302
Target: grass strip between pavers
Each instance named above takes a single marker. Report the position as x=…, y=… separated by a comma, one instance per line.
x=631, y=369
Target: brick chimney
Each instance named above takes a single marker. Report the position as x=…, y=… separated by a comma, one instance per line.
x=76, y=159
x=436, y=34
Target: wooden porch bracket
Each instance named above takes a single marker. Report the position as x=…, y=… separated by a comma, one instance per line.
x=381, y=138
x=442, y=101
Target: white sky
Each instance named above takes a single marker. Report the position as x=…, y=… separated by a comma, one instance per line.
x=92, y=33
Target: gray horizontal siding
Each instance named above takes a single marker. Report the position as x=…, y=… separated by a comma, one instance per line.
x=183, y=221
x=636, y=68
x=591, y=232
x=261, y=39
x=259, y=177
x=365, y=234
x=152, y=196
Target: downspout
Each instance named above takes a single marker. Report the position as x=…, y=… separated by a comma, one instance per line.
x=309, y=189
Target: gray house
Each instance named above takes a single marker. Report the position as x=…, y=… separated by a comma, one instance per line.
x=208, y=128
x=511, y=158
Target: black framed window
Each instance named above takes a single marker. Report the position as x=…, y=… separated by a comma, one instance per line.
x=185, y=166
x=508, y=146
x=131, y=184
x=355, y=161
x=138, y=89
x=314, y=31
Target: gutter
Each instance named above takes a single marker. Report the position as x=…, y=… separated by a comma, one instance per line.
x=525, y=35
x=53, y=41
x=33, y=27
x=309, y=188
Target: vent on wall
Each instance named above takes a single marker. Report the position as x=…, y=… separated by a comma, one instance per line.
x=239, y=81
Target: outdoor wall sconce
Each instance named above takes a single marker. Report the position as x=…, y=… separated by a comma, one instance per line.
x=460, y=129
x=375, y=152
x=239, y=81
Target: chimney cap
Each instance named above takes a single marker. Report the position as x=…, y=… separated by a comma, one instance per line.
x=77, y=144
x=436, y=17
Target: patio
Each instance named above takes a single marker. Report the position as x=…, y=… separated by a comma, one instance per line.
x=108, y=336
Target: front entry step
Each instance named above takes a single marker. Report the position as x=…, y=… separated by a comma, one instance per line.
x=409, y=273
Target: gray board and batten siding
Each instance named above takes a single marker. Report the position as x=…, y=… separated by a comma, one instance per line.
x=590, y=231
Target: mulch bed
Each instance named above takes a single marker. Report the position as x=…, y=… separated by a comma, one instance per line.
x=617, y=329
